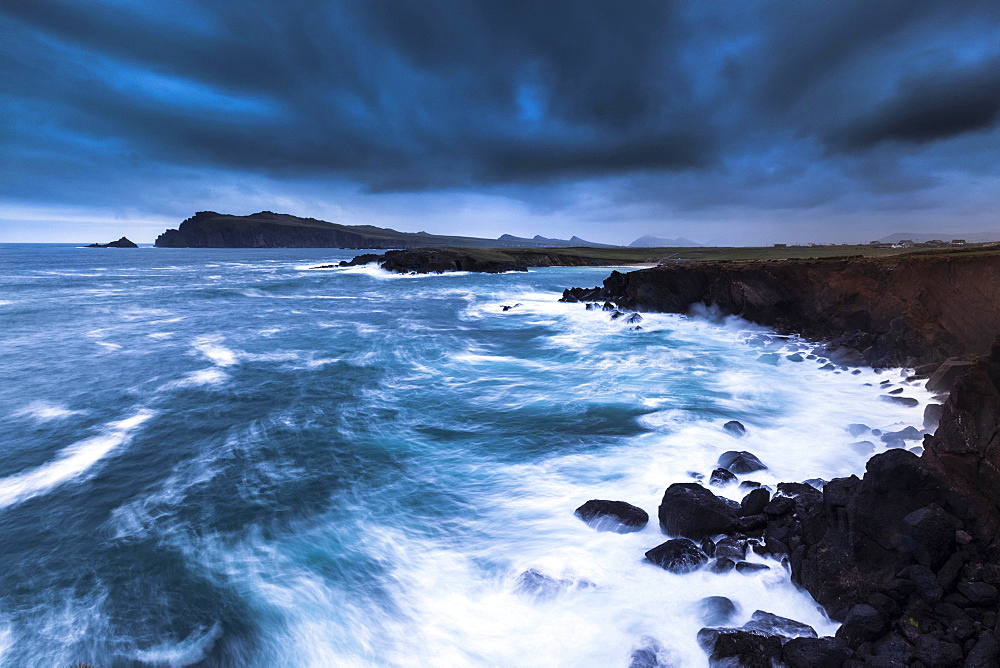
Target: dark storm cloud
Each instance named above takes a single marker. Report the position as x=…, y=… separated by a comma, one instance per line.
x=780, y=104
x=934, y=106
x=384, y=92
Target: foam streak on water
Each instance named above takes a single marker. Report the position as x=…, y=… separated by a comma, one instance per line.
x=272, y=465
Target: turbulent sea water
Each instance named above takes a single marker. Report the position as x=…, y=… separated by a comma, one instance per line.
x=225, y=457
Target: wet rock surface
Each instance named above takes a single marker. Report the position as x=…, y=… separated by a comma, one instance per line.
x=690, y=510
x=679, y=555
x=617, y=516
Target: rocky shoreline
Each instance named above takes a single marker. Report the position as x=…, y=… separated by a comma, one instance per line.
x=907, y=557
x=498, y=260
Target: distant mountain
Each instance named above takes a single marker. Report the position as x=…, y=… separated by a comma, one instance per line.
x=660, y=242
x=538, y=241
x=266, y=229
x=920, y=237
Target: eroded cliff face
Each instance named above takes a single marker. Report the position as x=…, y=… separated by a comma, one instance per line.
x=897, y=311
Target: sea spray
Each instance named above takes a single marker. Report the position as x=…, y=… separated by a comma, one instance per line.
x=349, y=467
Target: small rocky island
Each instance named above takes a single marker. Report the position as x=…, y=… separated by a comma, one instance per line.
x=121, y=243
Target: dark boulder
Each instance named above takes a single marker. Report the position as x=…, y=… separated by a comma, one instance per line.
x=985, y=653
x=946, y=375
x=862, y=623
x=690, y=510
x=721, y=477
x=932, y=651
x=754, y=502
x=723, y=565
x=679, y=555
x=929, y=535
x=739, y=648
x=731, y=547
x=979, y=593
x=633, y=319
x=735, y=428
x=616, y=516
x=815, y=653
x=773, y=625
x=740, y=462
x=907, y=434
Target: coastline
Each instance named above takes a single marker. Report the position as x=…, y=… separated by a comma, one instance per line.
x=908, y=556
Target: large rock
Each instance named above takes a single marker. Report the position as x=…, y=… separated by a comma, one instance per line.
x=771, y=624
x=740, y=462
x=815, y=653
x=121, y=243
x=735, y=428
x=965, y=449
x=736, y=648
x=616, y=516
x=690, y=510
x=679, y=555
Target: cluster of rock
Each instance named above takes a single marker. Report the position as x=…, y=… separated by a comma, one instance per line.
x=907, y=557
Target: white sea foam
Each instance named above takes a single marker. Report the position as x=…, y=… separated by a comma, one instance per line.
x=43, y=411
x=191, y=649
x=71, y=463
x=215, y=351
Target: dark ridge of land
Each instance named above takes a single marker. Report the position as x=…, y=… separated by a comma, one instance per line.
x=907, y=556
x=496, y=260
x=208, y=229
x=121, y=243
x=900, y=310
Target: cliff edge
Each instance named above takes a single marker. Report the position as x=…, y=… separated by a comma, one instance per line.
x=902, y=310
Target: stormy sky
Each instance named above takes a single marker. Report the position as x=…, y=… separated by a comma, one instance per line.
x=724, y=122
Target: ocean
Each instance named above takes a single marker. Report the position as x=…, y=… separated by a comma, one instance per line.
x=231, y=458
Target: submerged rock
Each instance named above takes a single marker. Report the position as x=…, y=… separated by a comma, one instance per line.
x=735, y=428
x=715, y=610
x=539, y=585
x=646, y=655
x=679, y=555
x=721, y=477
x=748, y=567
x=690, y=510
x=616, y=516
x=903, y=401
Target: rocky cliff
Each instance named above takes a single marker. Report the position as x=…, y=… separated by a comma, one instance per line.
x=907, y=556
x=897, y=311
